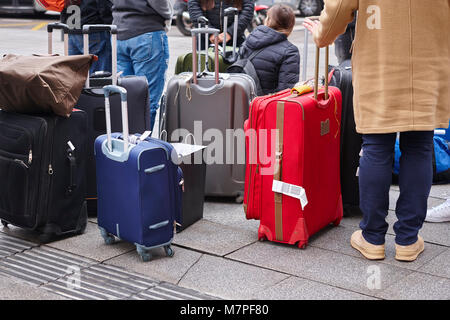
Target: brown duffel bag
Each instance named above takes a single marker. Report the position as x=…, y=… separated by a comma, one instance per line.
x=42, y=83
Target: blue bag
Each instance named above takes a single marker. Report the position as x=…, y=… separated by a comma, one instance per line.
x=139, y=187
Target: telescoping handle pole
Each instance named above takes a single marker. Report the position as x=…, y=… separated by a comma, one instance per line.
x=203, y=23
x=88, y=29
x=123, y=96
x=206, y=31
x=228, y=12
x=58, y=26
x=316, y=73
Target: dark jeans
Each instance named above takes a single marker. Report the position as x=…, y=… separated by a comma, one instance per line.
x=99, y=44
x=415, y=179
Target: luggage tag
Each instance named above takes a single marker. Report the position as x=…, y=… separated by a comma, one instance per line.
x=142, y=137
x=291, y=191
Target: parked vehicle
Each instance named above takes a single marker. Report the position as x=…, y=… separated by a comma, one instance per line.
x=20, y=6
x=292, y=3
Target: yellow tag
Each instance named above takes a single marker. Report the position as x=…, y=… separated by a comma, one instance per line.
x=302, y=89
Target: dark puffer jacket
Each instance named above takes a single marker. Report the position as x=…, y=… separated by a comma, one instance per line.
x=278, y=64
x=216, y=16
x=92, y=12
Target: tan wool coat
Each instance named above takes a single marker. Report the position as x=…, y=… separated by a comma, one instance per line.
x=401, y=61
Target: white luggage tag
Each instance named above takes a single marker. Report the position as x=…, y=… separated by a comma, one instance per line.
x=291, y=191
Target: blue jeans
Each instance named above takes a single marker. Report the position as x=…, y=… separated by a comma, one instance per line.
x=146, y=55
x=415, y=179
x=99, y=44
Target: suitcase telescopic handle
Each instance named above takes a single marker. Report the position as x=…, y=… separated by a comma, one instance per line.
x=112, y=29
x=316, y=73
x=229, y=12
x=58, y=26
x=108, y=90
x=206, y=31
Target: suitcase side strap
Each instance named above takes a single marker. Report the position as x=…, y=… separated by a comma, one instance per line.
x=277, y=171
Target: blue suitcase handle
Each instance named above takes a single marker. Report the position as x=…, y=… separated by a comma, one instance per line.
x=107, y=90
x=115, y=89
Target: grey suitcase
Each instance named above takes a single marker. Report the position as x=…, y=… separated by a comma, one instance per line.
x=221, y=102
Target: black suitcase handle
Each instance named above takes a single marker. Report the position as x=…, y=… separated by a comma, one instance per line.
x=92, y=28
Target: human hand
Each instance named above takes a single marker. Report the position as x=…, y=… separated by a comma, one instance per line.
x=221, y=38
x=311, y=25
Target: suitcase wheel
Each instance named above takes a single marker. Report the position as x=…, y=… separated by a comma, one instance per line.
x=108, y=237
x=5, y=224
x=46, y=237
x=302, y=245
x=144, y=253
x=169, y=251
x=240, y=198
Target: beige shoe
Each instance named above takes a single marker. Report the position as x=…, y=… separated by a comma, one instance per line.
x=368, y=250
x=411, y=252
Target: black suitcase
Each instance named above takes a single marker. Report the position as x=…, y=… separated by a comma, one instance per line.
x=351, y=141
x=42, y=173
x=92, y=101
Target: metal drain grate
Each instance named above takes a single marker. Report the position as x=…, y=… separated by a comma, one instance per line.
x=166, y=291
x=10, y=245
x=41, y=265
x=102, y=282
x=80, y=278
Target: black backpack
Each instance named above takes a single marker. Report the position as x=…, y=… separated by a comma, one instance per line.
x=246, y=66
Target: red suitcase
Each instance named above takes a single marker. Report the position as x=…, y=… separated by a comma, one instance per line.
x=292, y=171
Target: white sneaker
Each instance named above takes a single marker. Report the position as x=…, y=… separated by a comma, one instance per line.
x=440, y=213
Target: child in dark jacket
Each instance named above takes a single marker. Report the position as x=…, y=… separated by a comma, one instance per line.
x=278, y=63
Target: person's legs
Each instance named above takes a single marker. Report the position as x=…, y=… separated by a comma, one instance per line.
x=375, y=176
x=150, y=55
x=100, y=45
x=124, y=62
x=75, y=44
x=415, y=180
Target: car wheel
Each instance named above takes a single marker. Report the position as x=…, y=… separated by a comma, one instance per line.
x=310, y=7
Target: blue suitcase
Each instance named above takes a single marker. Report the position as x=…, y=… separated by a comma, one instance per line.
x=139, y=186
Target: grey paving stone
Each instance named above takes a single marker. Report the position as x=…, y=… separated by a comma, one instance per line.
x=91, y=245
x=295, y=288
x=327, y=267
x=160, y=267
x=439, y=266
x=214, y=238
x=418, y=286
x=437, y=233
x=338, y=239
x=441, y=191
x=15, y=289
x=433, y=200
x=227, y=279
x=229, y=214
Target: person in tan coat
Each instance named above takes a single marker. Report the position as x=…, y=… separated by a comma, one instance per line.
x=401, y=79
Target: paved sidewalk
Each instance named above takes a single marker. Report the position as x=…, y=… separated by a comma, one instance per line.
x=219, y=257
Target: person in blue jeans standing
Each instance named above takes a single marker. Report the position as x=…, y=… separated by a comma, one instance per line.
x=92, y=12
x=142, y=47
